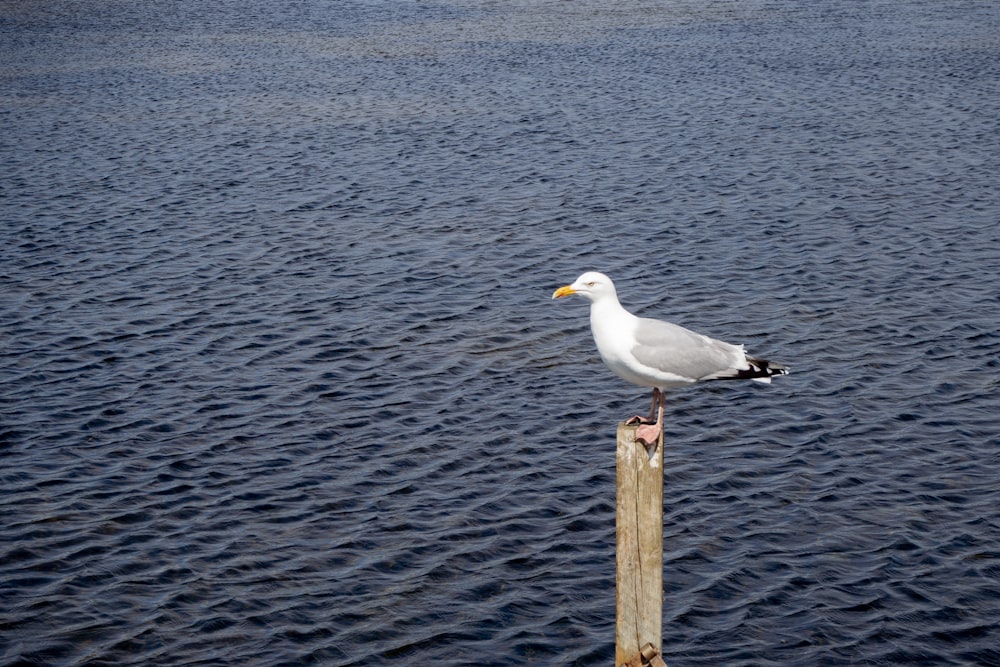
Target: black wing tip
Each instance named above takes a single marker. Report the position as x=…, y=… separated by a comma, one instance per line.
x=762, y=368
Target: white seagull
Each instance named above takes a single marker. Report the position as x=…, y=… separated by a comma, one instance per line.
x=658, y=354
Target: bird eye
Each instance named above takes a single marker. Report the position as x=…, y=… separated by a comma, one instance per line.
x=590, y=284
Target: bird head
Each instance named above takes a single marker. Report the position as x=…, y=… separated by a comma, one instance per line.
x=591, y=285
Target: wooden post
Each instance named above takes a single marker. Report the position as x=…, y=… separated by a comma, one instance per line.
x=639, y=530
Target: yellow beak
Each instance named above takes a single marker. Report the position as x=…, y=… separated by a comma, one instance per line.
x=563, y=291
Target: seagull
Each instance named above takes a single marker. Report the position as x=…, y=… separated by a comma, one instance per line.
x=658, y=354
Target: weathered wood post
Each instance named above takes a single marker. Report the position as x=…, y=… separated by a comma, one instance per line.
x=639, y=540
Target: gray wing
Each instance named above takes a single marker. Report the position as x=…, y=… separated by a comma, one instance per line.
x=673, y=349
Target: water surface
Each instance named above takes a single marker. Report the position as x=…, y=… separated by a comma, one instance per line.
x=282, y=383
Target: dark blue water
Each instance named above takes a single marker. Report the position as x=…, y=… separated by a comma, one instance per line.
x=282, y=383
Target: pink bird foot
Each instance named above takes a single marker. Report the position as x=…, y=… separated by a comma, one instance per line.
x=648, y=430
x=649, y=434
x=639, y=419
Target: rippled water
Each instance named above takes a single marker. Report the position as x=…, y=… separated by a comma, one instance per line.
x=282, y=383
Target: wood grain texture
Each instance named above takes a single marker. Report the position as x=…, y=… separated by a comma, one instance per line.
x=639, y=530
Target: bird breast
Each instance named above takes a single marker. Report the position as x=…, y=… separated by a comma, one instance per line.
x=613, y=333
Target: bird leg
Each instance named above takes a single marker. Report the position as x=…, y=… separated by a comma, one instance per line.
x=638, y=419
x=649, y=431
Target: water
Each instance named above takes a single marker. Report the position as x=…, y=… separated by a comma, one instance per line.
x=283, y=383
